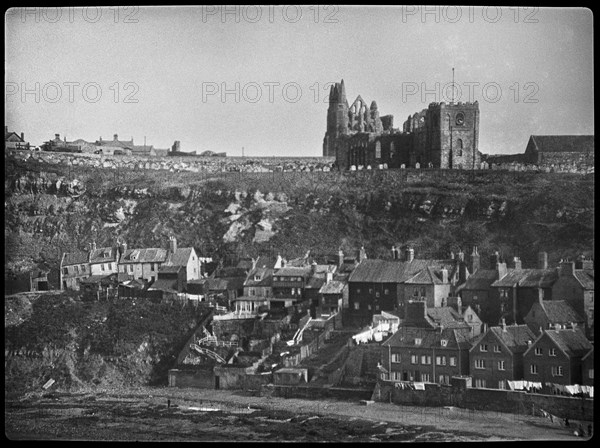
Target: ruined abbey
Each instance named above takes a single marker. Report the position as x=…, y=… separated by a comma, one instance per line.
x=445, y=135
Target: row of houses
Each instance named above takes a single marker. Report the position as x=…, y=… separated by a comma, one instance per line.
x=435, y=344
x=106, y=147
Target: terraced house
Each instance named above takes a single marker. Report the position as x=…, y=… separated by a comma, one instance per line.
x=104, y=260
x=74, y=267
x=497, y=356
x=142, y=264
x=556, y=356
x=427, y=349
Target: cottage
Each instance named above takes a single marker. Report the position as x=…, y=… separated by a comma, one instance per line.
x=74, y=267
x=497, y=356
x=39, y=279
x=170, y=283
x=14, y=141
x=259, y=282
x=331, y=294
x=185, y=257
x=288, y=286
x=103, y=261
x=142, y=263
x=556, y=356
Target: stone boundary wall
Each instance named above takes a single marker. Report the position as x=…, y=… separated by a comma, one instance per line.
x=569, y=163
x=315, y=393
x=176, y=164
x=486, y=399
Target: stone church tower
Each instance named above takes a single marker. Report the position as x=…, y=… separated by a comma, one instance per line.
x=337, y=118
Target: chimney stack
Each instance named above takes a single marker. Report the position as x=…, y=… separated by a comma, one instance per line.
x=543, y=260
x=503, y=325
x=444, y=275
x=494, y=259
x=123, y=247
x=394, y=253
x=172, y=244
x=517, y=263
x=93, y=245
x=500, y=270
x=23, y=136
x=475, y=260
x=410, y=254
x=584, y=263
x=340, y=257
x=461, y=255
x=566, y=269
x=57, y=136
x=362, y=255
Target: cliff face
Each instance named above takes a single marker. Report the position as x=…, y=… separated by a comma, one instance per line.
x=52, y=210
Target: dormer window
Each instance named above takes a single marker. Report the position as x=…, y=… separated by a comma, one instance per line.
x=418, y=341
x=444, y=342
x=256, y=278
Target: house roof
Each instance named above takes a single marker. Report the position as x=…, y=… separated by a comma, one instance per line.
x=71, y=258
x=150, y=255
x=115, y=143
x=333, y=287
x=558, y=311
x=515, y=337
x=180, y=257
x=563, y=143
x=528, y=278
x=103, y=255
x=265, y=274
x=445, y=316
x=480, y=280
x=292, y=271
x=161, y=152
x=167, y=269
x=405, y=338
x=164, y=284
x=589, y=354
x=315, y=282
x=387, y=271
x=585, y=277
x=571, y=341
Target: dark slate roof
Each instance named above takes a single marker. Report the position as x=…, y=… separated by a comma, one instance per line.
x=71, y=258
x=333, y=287
x=572, y=342
x=444, y=315
x=515, y=337
x=585, y=277
x=528, y=278
x=564, y=143
x=480, y=280
x=180, y=257
x=315, y=282
x=385, y=271
x=97, y=255
x=164, y=284
x=559, y=311
x=150, y=255
x=266, y=277
x=116, y=143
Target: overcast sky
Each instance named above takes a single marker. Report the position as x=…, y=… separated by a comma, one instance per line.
x=160, y=72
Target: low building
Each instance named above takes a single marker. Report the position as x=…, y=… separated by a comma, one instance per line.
x=185, y=257
x=497, y=356
x=556, y=356
x=100, y=287
x=39, y=279
x=546, y=314
x=288, y=286
x=12, y=140
x=170, y=283
x=289, y=376
x=74, y=267
x=332, y=294
x=259, y=282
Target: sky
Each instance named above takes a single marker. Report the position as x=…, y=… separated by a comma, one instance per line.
x=254, y=80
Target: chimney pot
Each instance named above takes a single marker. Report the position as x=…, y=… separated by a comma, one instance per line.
x=116, y=137
x=410, y=254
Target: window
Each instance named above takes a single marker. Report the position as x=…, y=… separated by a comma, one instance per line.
x=102, y=267
x=552, y=352
x=130, y=266
x=503, y=293
x=479, y=382
x=480, y=364
x=369, y=307
x=256, y=278
x=444, y=379
x=356, y=305
x=591, y=374
x=497, y=349
x=557, y=371
x=386, y=292
x=414, y=359
x=82, y=267
x=377, y=294
x=453, y=361
x=501, y=365
x=396, y=376
x=370, y=290
x=76, y=269
x=533, y=368
x=459, y=147
x=418, y=341
x=444, y=342
x=395, y=357
x=416, y=293
x=425, y=378
x=470, y=318
x=501, y=384
x=65, y=271
x=378, y=150
x=483, y=347
x=423, y=292
x=440, y=360
x=538, y=351
x=427, y=359
x=358, y=290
